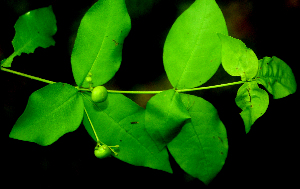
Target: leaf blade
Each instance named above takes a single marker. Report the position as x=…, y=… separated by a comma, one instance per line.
x=201, y=147
x=192, y=50
x=237, y=59
x=33, y=29
x=277, y=77
x=51, y=112
x=99, y=42
x=253, y=101
x=165, y=114
x=120, y=121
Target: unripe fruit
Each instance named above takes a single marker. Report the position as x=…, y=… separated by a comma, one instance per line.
x=102, y=151
x=99, y=94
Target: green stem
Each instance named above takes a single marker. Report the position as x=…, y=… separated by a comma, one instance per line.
x=210, y=87
x=98, y=141
x=26, y=75
x=179, y=91
x=125, y=92
x=134, y=92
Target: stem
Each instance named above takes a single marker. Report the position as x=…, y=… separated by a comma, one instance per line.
x=210, y=87
x=179, y=91
x=26, y=75
x=134, y=92
x=125, y=92
x=98, y=141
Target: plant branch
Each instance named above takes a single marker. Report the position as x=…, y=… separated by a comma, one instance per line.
x=125, y=92
x=26, y=75
x=134, y=92
x=179, y=91
x=210, y=87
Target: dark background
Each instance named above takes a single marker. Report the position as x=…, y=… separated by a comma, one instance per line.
x=265, y=157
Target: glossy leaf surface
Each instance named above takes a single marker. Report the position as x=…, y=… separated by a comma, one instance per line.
x=99, y=42
x=165, y=114
x=192, y=51
x=33, y=29
x=276, y=76
x=201, y=147
x=237, y=59
x=120, y=121
x=51, y=112
x=253, y=101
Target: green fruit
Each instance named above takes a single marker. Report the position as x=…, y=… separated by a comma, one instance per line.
x=102, y=151
x=99, y=94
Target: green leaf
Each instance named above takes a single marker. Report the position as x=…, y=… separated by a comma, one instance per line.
x=99, y=42
x=165, y=114
x=192, y=51
x=276, y=76
x=3, y=61
x=120, y=121
x=237, y=59
x=50, y=113
x=253, y=101
x=33, y=29
x=201, y=147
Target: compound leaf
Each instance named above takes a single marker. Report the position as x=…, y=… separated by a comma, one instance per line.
x=201, y=147
x=192, y=50
x=120, y=121
x=165, y=114
x=51, y=112
x=253, y=101
x=33, y=29
x=237, y=59
x=276, y=76
x=99, y=42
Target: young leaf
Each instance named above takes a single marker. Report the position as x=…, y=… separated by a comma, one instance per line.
x=253, y=101
x=201, y=147
x=192, y=51
x=50, y=113
x=276, y=76
x=120, y=121
x=237, y=59
x=33, y=29
x=99, y=42
x=165, y=114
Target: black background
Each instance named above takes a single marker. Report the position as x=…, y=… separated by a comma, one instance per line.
x=265, y=157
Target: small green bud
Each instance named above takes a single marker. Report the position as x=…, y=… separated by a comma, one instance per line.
x=88, y=79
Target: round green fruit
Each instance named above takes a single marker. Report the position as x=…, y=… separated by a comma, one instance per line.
x=99, y=94
x=102, y=151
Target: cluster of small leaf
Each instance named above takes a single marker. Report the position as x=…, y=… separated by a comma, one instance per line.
x=187, y=125
x=274, y=74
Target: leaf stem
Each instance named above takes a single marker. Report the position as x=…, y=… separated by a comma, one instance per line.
x=179, y=91
x=134, y=92
x=125, y=92
x=210, y=87
x=26, y=75
x=98, y=141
